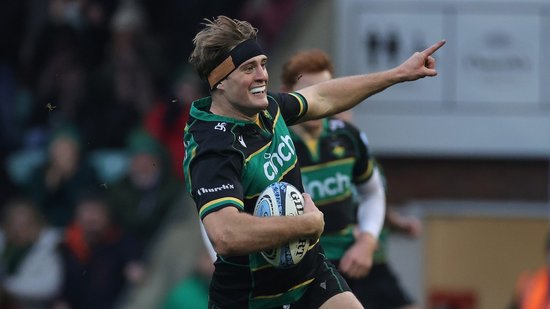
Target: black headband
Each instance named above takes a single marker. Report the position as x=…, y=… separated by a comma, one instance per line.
x=241, y=53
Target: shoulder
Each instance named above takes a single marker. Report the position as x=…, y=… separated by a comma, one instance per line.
x=279, y=100
x=211, y=145
x=283, y=98
x=204, y=127
x=338, y=126
x=277, y=97
x=292, y=106
x=216, y=134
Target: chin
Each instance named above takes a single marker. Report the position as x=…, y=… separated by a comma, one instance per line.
x=261, y=103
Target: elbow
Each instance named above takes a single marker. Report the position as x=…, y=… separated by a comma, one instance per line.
x=226, y=233
x=222, y=247
x=224, y=243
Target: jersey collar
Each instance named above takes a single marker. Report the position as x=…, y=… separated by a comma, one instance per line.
x=200, y=109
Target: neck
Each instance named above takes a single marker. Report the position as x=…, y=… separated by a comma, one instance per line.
x=221, y=108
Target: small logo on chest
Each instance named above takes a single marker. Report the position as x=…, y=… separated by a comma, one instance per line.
x=221, y=126
x=241, y=140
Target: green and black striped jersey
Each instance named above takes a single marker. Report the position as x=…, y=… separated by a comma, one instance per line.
x=339, y=160
x=228, y=163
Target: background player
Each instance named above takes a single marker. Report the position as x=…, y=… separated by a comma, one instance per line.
x=334, y=156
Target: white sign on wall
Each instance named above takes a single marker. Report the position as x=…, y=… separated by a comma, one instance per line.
x=387, y=39
x=498, y=59
x=492, y=95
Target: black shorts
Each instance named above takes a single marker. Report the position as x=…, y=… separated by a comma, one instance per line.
x=328, y=283
x=380, y=289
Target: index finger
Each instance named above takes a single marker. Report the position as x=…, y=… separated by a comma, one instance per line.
x=432, y=49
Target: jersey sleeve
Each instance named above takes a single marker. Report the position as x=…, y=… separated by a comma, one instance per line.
x=215, y=181
x=293, y=106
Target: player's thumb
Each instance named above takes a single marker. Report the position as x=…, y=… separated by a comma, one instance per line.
x=430, y=72
x=308, y=202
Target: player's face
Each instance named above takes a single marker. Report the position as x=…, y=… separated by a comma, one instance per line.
x=246, y=88
x=306, y=80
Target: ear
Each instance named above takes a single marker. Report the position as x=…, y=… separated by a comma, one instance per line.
x=219, y=86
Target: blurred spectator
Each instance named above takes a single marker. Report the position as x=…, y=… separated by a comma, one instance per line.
x=55, y=73
x=99, y=259
x=56, y=185
x=166, y=121
x=30, y=267
x=533, y=288
x=270, y=16
x=92, y=63
x=62, y=40
x=90, y=20
x=192, y=291
x=60, y=77
x=123, y=88
x=96, y=32
x=142, y=199
x=176, y=22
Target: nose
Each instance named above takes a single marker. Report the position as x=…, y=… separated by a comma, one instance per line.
x=261, y=73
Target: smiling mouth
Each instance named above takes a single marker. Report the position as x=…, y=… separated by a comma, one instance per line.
x=258, y=90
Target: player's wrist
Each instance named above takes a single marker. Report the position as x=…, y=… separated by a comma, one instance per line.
x=368, y=241
x=313, y=225
x=397, y=75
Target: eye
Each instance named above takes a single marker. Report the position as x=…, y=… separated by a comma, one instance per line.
x=248, y=68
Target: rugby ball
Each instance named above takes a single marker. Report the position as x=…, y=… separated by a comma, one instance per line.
x=282, y=199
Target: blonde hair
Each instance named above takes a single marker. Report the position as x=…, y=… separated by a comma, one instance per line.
x=216, y=40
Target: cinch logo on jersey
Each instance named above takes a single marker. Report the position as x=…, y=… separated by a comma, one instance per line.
x=215, y=189
x=275, y=160
x=325, y=182
x=327, y=187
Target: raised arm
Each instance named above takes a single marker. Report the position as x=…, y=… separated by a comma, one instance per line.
x=340, y=94
x=237, y=233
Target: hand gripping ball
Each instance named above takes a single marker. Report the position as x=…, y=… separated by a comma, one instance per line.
x=282, y=199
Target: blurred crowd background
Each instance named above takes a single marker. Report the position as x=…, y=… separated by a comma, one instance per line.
x=94, y=98
x=94, y=95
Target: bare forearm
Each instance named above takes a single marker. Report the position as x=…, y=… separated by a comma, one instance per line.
x=340, y=94
x=394, y=219
x=404, y=224
x=241, y=233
